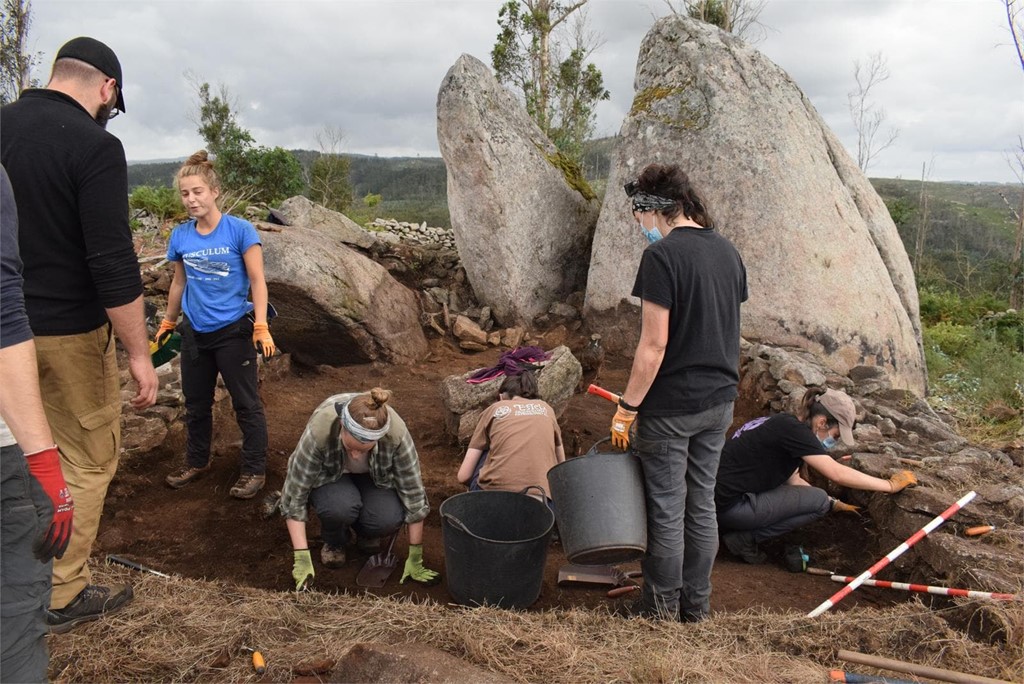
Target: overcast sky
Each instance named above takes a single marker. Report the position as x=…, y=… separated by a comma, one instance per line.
x=371, y=68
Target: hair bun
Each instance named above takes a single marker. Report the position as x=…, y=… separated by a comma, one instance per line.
x=200, y=157
x=379, y=396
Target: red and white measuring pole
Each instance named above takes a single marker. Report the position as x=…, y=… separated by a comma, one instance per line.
x=893, y=555
x=931, y=589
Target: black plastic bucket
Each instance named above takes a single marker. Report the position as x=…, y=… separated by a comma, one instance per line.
x=599, y=500
x=495, y=547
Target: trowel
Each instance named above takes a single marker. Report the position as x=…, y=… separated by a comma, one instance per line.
x=378, y=567
x=607, y=575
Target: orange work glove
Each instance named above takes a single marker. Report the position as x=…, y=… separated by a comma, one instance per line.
x=902, y=480
x=166, y=328
x=843, y=507
x=621, y=424
x=262, y=339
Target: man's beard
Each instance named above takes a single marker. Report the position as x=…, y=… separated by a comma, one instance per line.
x=103, y=115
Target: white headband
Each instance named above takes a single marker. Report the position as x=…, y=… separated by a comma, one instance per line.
x=363, y=434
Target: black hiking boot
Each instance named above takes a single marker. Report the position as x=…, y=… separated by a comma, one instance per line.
x=92, y=603
x=743, y=545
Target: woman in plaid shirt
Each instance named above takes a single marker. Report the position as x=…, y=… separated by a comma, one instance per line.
x=357, y=466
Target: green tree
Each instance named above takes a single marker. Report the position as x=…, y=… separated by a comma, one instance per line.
x=329, y=181
x=247, y=170
x=16, y=62
x=560, y=88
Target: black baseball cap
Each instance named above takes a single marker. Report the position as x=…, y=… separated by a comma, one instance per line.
x=92, y=51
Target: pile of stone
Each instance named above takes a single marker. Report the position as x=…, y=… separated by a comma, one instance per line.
x=464, y=402
x=391, y=230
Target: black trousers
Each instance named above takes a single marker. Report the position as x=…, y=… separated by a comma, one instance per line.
x=25, y=592
x=230, y=353
x=354, y=501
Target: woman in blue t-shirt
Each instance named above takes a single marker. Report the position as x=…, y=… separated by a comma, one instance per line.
x=217, y=259
x=759, y=492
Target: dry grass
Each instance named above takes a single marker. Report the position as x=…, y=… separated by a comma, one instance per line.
x=175, y=628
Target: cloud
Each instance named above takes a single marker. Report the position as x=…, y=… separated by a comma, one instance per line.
x=373, y=67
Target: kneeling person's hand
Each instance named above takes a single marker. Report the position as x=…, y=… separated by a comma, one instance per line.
x=414, y=568
x=302, y=569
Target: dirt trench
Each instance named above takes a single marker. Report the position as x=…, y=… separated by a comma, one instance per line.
x=200, y=532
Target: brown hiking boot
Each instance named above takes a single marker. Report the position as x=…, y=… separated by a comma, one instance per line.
x=185, y=475
x=332, y=557
x=92, y=603
x=247, y=486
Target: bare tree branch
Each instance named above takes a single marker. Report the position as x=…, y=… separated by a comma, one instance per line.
x=867, y=117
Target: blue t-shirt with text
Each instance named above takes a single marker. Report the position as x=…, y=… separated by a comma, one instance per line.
x=216, y=282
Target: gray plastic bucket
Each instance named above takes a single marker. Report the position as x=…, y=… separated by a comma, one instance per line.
x=599, y=505
x=495, y=547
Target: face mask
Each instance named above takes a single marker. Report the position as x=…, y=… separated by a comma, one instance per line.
x=652, y=235
x=829, y=442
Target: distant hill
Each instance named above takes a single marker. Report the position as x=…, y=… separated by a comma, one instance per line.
x=967, y=224
x=414, y=189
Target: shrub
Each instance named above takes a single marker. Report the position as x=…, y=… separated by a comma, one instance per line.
x=951, y=339
x=161, y=202
x=944, y=305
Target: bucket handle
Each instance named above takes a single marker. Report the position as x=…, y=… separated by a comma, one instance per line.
x=456, y=523
x=593, y=449
x=537, y=487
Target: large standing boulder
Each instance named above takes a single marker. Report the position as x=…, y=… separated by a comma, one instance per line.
x=523, y=218
x=336, y=306
x=302, y=212
x=827, y=271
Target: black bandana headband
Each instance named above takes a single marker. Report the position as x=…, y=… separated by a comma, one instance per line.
x=644, y=201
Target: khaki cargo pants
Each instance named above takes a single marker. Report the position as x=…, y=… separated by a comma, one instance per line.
x=81, y=395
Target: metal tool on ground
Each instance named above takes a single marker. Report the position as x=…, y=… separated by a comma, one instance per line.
x=259, y=664
x=978, y=530
x=603, y=575
x=855, y=678
x=894, y=554
x=118, y=560
x=271, y=504
x=593, y=574
x=379, y=566
x=932, y=589
x=938, y=673
x=818, y=571
x=625, y=589
x=603, y=393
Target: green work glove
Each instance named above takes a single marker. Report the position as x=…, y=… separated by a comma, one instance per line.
x=302, y=570
x=414, y=568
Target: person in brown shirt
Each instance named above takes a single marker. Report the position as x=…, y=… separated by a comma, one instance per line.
x=516, y=441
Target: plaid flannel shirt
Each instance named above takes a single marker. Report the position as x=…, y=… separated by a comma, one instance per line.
x=319, y=456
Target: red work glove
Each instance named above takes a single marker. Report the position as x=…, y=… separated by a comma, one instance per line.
x=621, y=424
x=166, y=328
x=262, y=339
x=44, y=466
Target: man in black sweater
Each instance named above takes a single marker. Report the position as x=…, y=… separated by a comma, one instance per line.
x=82, y=285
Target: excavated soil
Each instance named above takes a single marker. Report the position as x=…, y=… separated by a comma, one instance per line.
x=201, y=532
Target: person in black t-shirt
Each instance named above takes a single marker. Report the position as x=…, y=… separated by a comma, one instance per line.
x=759, y=492
x=682, y=386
